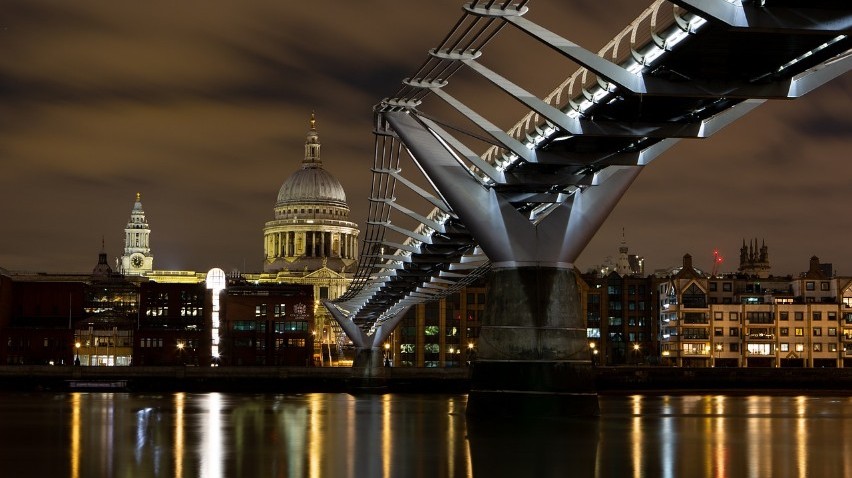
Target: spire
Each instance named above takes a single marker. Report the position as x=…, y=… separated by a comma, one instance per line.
x=138, y=197
x=102, y=268
x=312, y=146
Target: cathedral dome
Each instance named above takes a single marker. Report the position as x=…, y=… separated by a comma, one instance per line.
x=311, y=184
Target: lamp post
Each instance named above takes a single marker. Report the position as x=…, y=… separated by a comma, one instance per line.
x=387, y=354
x=180, y=346
x=636, y=352
x=77, y=358
x=718, y=352
x=594, y=349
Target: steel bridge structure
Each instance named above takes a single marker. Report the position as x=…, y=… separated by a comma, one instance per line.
x=520, y=213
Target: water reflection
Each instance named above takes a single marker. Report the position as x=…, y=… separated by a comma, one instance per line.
x=340, y=435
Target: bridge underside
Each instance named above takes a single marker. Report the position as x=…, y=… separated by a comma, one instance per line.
x=522, y=212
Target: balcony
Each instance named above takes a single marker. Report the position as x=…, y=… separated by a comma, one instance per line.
x=760, y=337
x=696, y=318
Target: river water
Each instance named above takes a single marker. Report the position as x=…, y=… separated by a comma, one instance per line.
x=401, y=435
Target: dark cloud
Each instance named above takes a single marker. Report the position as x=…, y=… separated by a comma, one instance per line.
x=203, y=107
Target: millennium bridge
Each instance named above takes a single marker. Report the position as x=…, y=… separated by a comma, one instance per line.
x=456, y=198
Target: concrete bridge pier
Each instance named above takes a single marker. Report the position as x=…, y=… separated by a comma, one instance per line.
x=533, y=356
x=368, y=371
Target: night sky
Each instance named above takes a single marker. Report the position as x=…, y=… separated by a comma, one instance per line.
x=203, y=106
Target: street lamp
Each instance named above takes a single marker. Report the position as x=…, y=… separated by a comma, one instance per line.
x=636, y=352
x=387, y=354
x=77, y=358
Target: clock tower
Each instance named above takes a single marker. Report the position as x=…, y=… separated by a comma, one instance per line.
x=137, y=258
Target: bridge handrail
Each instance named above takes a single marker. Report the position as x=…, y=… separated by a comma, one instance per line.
x=641, y=32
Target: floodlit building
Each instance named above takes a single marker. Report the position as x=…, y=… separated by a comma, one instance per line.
x=137, y=258
x=753, y=321
x=311, y=241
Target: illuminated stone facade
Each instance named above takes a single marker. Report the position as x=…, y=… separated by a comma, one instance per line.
x=311, y=241
x=137, y=258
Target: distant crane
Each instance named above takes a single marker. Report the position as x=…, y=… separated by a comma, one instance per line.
x=717, y=259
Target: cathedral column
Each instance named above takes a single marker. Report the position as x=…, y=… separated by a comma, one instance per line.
x=322, y=244
x=284, y=244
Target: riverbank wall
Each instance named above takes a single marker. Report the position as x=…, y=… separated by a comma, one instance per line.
x=408, y=379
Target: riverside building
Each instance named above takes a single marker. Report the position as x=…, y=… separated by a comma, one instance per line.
x=754, y=321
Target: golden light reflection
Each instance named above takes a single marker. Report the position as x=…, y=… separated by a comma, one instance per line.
x=315, y=436
x=758, y=428
x=351, y=434
x=75, y=435
x=801, y=437
x=179, y=438
x=386, y=435
x=636, y=438
x=707, y=402
x=720, y=447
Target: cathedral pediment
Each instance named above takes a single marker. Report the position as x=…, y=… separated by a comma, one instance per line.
x=324, y=273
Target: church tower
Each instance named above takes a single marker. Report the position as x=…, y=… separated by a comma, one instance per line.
x=137, y=258
x=754, y=262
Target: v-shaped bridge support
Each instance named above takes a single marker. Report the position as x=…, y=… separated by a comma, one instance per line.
x=533, y=336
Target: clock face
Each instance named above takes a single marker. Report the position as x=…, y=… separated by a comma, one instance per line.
x=136, y=261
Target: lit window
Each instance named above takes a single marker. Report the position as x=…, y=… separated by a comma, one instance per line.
x=800, y=347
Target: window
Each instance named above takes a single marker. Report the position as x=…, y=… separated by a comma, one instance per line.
x=695, y=349
x=713, y=286
x=785, y=315
x=785, y=347
x=817, y=347
x=817, y=331
x=832, y=331
x=785, y=331
x=735, y=347
x=809, y=285
x=799, y=331
x=832, y=315
x=244, y=325
x=817, y=315
x=823, y=285
x=734, y=331
x=800, y=347
x=726, y=286
x=260, y=310
x=799, y=316
x=832, y=347
x=718, y=332
x=694, y=298
x=279, y=310
x=760, y=349
x=718, y=315
x=759, y=317
x=734, y=316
